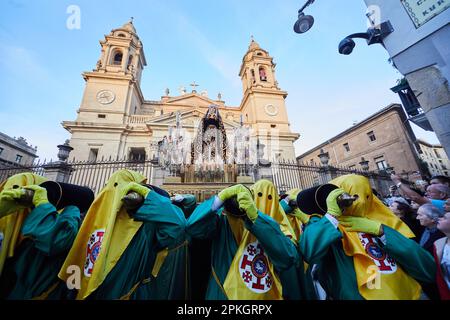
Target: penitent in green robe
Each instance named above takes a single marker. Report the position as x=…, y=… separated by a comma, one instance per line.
x=188, y=204
x=321, y=244
x=296, y=281
x=205, y=223
x=33, y=270
x=131, y=278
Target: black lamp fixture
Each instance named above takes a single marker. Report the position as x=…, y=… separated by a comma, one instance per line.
x=364, y=164
x=372, y=35
x=304, y=22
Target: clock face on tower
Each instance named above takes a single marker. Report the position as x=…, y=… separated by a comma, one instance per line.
x=271, y=110
x=105, y=96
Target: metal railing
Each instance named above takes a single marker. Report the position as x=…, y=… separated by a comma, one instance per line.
x=94, y=174
x=291, y=174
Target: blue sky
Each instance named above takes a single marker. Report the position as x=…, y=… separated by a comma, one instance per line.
x=184, y=41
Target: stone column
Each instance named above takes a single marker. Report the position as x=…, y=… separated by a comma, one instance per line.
x=58, y=171
x=326, y=174
x=157, y=175
x=264, y=170
x=373, y=181
x=435, y=100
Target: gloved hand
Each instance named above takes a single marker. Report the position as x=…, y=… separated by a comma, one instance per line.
x=332, y=205
x=360, y=224
x=304, y=218
x=136, y=187
x=232, y=191
x=246, y=203
x=40, y=194
x=177, y=198
x=8, y=203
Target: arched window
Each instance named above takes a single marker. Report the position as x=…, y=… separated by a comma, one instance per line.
x=262, y=74
x=118, y=58
x=253, y=75
x=121, y=35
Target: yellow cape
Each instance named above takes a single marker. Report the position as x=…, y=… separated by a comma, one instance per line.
x=297, y=218
x=394, y=283
x=11, y=224
x=267, y=287
x=104, y=235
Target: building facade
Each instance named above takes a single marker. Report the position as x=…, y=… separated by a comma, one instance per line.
x=384, y=139
x=115, y=120
x=419, y=48
x=435, y=158
x=16, y=151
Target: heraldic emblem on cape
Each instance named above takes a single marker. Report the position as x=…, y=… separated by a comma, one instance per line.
x=383, y=261
x=92, y=251
x=254, y=268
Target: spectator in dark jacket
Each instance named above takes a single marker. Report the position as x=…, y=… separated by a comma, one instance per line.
x=428, y=215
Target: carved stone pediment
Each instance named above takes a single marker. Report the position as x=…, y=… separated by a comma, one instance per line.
x=191, y=99
x=188, y=118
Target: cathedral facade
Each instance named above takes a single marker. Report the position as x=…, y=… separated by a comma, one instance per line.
x=116, y=121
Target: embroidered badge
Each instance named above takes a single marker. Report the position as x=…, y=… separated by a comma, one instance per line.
x=254, y=268
x=93, y=249
x=383, y=261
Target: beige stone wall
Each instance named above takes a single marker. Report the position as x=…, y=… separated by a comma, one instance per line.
x=436, y=159
x=10, y=154
x=391, y=144
x=107, y=144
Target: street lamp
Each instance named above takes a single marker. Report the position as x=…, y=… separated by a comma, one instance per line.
x=324, y=157
x=364, y=164
x=372, y=35
x=304, y=22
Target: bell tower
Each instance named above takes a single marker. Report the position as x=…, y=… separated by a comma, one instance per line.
x=113, y=87
x=122, y=53
x=112, y=95
x=257, y=69
x=263, y=104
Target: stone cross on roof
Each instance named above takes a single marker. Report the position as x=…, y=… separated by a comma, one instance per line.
x=194, y=85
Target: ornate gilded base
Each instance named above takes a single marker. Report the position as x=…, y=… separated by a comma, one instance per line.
x=244, y=179
x=202, y=191
x=170, y=180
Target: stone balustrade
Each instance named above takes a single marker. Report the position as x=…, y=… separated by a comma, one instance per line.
x=139, y=119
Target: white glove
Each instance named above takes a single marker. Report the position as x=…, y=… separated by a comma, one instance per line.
x=177, y=198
